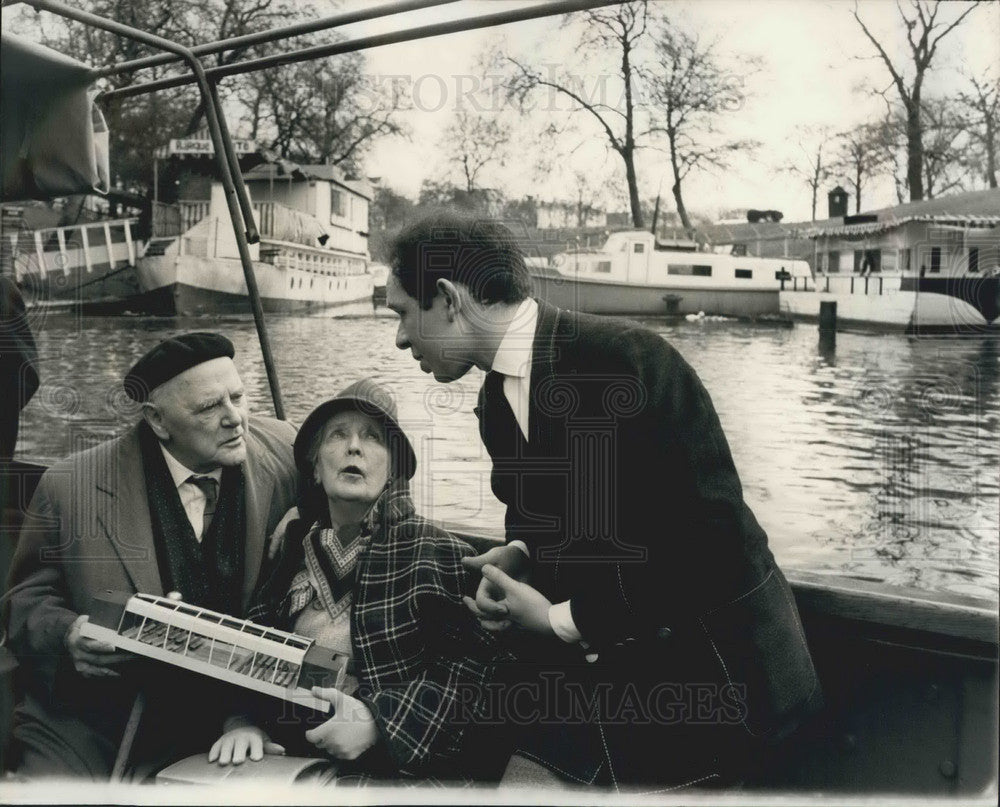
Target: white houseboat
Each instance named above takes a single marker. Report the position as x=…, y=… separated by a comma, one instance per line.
x=312, y=255
x=925, y=266
x=636, y=274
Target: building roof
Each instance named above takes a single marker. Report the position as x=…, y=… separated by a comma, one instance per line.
x=327, y=173
x=968, y=209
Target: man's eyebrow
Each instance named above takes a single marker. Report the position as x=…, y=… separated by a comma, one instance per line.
x=208, y=403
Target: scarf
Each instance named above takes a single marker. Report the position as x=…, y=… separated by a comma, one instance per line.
x=331, y=567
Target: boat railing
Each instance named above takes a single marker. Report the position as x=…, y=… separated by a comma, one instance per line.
x=877, y=283
x=74, y=247
x=295, y=257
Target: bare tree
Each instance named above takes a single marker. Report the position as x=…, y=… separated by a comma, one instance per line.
x=979, y=107
x=619, y=30
x=945, y=147
x=924, y=32
x=860, y=157
x=810, y=164
x=326, y=111
x=477, y=140
x=891, y=145
x=692, y=93
x=232, y=18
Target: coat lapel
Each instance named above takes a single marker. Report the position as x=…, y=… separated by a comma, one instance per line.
x=544, y=354
x=259, y=485
x=123, y=512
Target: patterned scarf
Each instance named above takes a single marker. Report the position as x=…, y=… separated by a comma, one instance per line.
x=330, y=569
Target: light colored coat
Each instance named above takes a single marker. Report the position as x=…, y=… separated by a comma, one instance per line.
x=88, y=530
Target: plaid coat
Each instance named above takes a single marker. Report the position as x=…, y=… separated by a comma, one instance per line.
x=422, y=661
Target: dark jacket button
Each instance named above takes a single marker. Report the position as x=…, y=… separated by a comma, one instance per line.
x=663, y=633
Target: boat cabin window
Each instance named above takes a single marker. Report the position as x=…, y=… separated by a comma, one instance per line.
x=867, y=260
x=904, y=259
x=973, y=259
x=834, y=262
x=689, y=269
x=603, y=266
x=935, y=259
x=638, y=248
x=745, y=274
x=337, y=207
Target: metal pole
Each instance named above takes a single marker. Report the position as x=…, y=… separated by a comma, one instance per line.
x=363, y=43
x=259, y=37
x=246, y=207
x=212, y=116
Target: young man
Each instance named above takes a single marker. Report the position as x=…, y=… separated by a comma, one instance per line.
x=183, y=501
x=665, y=646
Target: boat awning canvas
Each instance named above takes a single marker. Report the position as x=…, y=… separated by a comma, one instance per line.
x=951, y=221
x=53, y=138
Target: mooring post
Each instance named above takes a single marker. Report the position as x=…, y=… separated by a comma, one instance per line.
x=828, y=316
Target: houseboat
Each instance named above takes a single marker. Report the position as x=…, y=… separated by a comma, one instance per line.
x=312, y=255
x=636, y=274
x=930, y=266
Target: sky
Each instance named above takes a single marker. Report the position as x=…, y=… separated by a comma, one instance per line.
x=814, y=63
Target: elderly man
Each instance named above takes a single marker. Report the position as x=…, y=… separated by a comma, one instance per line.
x=183, y=501
x=664, y=641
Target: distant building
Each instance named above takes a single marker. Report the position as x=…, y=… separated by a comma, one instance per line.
x=562, y=215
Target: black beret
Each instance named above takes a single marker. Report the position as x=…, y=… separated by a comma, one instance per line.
x=171, y=358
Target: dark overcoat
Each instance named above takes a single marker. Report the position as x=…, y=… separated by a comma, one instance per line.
x=629, y=501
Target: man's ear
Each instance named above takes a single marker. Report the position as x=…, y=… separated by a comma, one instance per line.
x=152, y=415
x=452, y=297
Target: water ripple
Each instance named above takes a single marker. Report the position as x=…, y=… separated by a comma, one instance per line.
x=878, y=459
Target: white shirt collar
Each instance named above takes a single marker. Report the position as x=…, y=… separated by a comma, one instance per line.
x=513, y=357
x=180, y=472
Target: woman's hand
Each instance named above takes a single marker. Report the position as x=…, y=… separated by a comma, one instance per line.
x=237, y=743
x=524, y=605
x=350, y=732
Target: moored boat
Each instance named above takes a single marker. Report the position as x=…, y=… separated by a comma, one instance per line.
x=312, y=255
x=636, y=274
x=85, y=264
x=921, y=267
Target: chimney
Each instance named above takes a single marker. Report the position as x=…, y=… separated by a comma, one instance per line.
x=837, y=201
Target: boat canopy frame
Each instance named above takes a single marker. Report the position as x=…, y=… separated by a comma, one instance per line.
x=207, y=79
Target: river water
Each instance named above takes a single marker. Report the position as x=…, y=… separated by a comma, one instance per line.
x=876, y=458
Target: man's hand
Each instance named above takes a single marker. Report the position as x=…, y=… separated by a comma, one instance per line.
x=350, y=732
x=236, y=744
x=91, y=657
x=485, y=606
x=524, y=605
x=277, y=538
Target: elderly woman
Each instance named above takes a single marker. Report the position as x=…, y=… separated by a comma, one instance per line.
x=362, y=573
